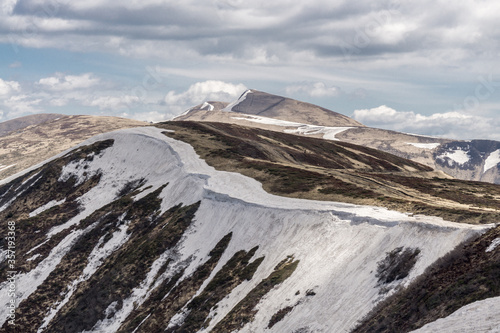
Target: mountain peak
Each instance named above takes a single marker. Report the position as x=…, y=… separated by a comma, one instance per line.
x=273, y=106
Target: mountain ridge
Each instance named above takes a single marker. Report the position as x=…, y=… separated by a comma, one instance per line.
x=169, y=228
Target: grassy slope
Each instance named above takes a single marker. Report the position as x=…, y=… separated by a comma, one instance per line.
x=317, y=169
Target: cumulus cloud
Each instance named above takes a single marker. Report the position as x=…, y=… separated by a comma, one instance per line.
x=61, y=82
x=453, y=125
x=8, y=87
x=201, y=92
x=314, y=89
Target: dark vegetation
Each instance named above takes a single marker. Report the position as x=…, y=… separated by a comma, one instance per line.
x=396, y=265
x=35, y=189
x=318, y=169
x=244, y=311
x=278, y=316
x=465, y=275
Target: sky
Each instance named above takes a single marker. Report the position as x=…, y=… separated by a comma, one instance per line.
x=426, y=67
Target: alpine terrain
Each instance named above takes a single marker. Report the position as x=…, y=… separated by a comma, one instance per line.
x=261, y=215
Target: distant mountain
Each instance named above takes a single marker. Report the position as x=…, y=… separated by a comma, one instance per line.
x=47, y=136
x=478, y=160
x=22, y=122
x=253, y=102
x=131, y=231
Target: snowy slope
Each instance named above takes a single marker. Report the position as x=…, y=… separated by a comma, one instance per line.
x=478, y=317
x=338, y=244
x=492, y=160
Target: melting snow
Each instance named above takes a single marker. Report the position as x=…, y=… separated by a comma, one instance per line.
x=241, y=99
x=424, y=145
x=33, y=257
x=493, y=245
x=207, y=106
x=95, y=259
x=492, y=160
x=48, y=205
x=5, y=167
x=329, y=133
x=299, y=128
x=458, y=156
x=478, y=317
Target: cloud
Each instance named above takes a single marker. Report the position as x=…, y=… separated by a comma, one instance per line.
x=315, y=89
x=453, y=125
x=61, y=82
x=201, y=92
x=22, y=104
x=151, y=116
x=258, y=31
x=8, y=87
x=110, y=102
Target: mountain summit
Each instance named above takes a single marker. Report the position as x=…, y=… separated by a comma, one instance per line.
x=261, y=104
x=267, y=105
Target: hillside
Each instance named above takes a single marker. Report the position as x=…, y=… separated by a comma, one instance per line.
x=477, y=160
x=30, y=145
x=22, y=122
x=311, y=168
x=132, y=232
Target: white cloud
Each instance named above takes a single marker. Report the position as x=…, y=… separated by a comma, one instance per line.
x=112, y=103
x=20, y=105
x=61, y=82
x=7, y=88
x=453, y=125
x=315, y=89
x=152, y=116
x=201, y=92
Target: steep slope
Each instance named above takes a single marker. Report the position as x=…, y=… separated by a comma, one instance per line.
x=22, y=122
x=132, y=232
x=454, y=283
x=33, y=144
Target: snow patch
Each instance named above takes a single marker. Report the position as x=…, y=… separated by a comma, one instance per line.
x=493, y=245
x=47, y=206
x=238, y=101
x=33, y=257
x=269, y=121
x=424, y=145
x=478, y=317
x=207, y=106
x=328, y=133
x=458, y=156
x=492, y=160
x=5, y=167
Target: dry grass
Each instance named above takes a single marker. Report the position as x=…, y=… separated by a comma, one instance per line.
x=312, y=168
